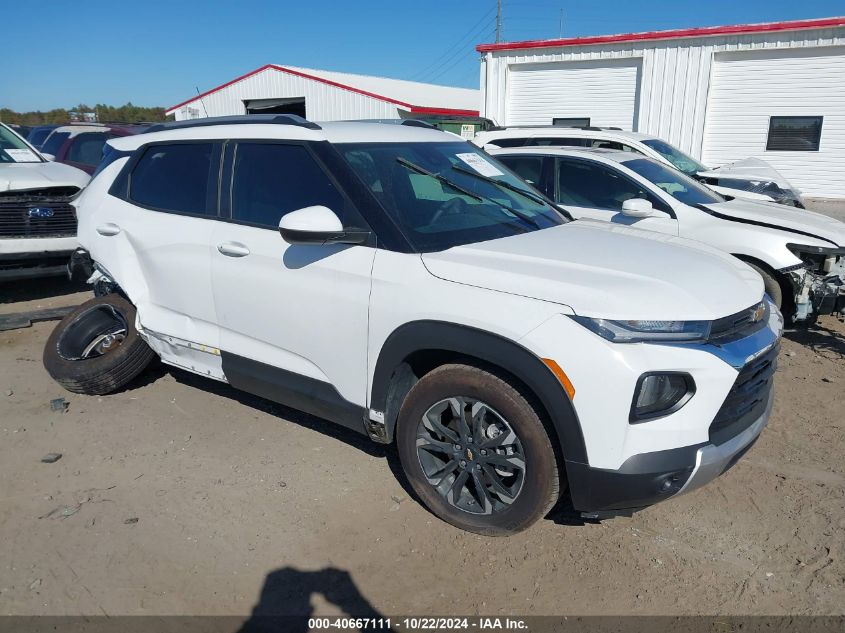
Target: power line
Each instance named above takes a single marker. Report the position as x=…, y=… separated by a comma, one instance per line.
x=456, y=57
x=458, y=44
x=448, y=68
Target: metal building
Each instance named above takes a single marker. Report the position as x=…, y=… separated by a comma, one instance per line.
x=774, y=91
x=322, y=95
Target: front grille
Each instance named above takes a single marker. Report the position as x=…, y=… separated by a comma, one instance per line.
x=747, y=399
x=17, y=218
x=743, y=323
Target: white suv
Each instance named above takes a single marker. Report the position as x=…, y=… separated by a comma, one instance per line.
x=37, y=222
x=799, y=254
x=423, y=294
x=750, y=178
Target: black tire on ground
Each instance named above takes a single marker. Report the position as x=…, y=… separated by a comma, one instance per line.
x=96, y=349
x=771, y=284
x=541, y=482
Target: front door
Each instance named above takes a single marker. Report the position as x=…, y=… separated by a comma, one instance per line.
x=293, y=318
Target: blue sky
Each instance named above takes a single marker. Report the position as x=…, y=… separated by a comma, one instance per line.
x=58, y=54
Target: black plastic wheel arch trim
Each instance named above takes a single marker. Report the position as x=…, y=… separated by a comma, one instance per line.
x=293, y=390
x=462, y=340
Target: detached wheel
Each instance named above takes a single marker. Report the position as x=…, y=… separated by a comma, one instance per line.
x=476, y=451
x=96, y=349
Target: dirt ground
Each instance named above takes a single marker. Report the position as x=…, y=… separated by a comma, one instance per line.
x=182, y=496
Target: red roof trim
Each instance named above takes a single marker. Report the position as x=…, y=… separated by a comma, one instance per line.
x=707, y=31
x=290, y=71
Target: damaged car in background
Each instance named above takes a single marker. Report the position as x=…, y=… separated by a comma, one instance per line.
x=799, y=254
x=749, y=178
x=37, y=221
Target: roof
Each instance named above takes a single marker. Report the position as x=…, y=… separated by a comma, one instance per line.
x=334, y=132
x=547, y=131
x=585, y=152
x=416, y=97
x=707, y=31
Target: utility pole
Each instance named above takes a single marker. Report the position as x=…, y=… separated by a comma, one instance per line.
x=499, y=21
x=560, y=30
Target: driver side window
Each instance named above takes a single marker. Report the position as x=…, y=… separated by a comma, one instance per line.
x=583, y=183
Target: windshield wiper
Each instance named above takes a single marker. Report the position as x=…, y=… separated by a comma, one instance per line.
x=501, y=183
x=439, y=178
x=422, y=170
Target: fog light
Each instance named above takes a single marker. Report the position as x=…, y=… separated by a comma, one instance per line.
x=659, y=394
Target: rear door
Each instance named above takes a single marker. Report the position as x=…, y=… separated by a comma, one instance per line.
x=293, y=318
x=155, y=237
x=592, y=190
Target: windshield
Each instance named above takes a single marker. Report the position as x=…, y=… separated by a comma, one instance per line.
x=684, y=162
x=39, y=135
x=15, y=150
x=54, y=142
x=447, y=194
x=673, y=182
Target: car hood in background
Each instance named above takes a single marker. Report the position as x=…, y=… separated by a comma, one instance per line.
x=18, y=176
x=805, y=223
x=601, y=270
x=752, y=169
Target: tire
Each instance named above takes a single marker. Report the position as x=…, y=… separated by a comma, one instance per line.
x=499, y=410
x=771, y=284
x=96, y=349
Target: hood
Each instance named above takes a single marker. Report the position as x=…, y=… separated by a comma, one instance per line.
x=751, y=169
x=17, y=176
x=602, y=270
x=806, y=223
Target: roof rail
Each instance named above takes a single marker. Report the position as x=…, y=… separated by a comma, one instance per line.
x=238, y=119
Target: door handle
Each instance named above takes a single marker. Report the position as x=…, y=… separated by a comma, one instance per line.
x=108, y=229
x=233, y=249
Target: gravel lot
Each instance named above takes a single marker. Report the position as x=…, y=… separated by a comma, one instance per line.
x=182, y=496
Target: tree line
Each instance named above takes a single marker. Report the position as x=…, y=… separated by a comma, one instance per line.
x=128, y=113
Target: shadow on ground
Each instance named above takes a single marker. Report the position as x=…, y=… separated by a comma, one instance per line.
x=34, y=289
x=819, y=338
x=285, y=603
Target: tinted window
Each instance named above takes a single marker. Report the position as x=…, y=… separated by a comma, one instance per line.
x=87, y=149
x=794, y=133
x=571, y=121
x=529, y=168
x=584, y=183
x=175, y=178
x=271, y=180
x=539, y=141
x=54, y=142
x=508, y=142
x=38, y=135
x=673, y=182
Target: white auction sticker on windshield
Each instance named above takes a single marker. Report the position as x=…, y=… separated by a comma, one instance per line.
x=480, y=165
x=22, y=155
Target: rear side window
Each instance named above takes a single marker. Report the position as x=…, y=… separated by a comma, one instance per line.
x=87, y=149
x=271, y=180
x=54, y=142
x=540, y=141
x=179, y=178
x=529, y=168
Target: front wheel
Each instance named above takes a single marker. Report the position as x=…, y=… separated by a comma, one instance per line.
x=476, y=451
x=96, y=349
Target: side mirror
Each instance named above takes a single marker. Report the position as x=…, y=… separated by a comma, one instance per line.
x=317, y=225
x=49, y=157
x=639, y=208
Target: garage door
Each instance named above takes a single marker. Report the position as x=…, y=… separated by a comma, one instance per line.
x=746, y=89
x=606, y=91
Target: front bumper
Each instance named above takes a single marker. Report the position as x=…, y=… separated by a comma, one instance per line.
x=650, y=478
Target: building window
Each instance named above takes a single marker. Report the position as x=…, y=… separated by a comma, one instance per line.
x=571, y=121
x=794, y=133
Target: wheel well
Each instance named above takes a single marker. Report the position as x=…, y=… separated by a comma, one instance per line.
x=419, y=363
x=787, y=293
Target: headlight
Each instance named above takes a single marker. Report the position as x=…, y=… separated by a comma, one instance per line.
x=640, y=331
x=659, y=394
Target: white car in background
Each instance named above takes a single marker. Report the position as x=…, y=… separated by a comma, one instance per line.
x=799, y=254
x=750, y=178
x=37, y=222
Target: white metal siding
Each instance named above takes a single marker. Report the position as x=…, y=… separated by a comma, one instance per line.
x=604, y=91
x=747, y=88
x=323, y=102
x=675, y=76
